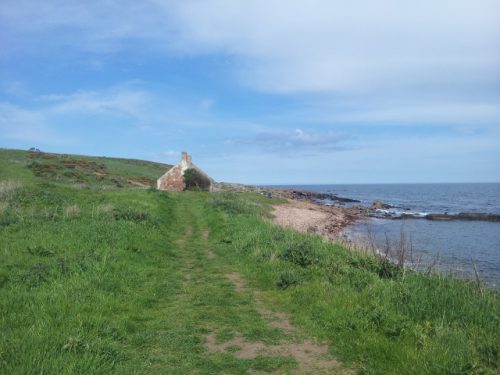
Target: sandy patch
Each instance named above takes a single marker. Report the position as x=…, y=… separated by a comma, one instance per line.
x=312, y=218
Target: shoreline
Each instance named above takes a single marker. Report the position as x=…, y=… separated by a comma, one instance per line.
x=338, y=223
x=309, y=217
x=378, y=209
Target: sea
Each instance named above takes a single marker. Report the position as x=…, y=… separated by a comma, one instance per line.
x=468, y=249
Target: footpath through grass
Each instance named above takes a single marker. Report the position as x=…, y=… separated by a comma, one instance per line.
x=100, y=280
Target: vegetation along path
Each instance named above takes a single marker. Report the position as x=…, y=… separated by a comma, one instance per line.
x=98, y=276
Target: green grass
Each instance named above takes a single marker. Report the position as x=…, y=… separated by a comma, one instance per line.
x=81, y=170
x=98, y=278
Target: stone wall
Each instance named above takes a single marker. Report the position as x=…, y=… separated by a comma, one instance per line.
x=173, y=180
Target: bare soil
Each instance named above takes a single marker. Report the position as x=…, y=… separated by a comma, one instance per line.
x=311, y=357
x=308, y=217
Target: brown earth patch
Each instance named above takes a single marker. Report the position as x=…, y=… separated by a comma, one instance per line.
x=310, y=357
x=313, y=218
x=236, y=279
x=211, y=255
x=247, y=350
x=204, y=234
x=278, y=320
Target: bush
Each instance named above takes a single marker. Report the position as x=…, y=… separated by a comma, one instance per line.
x=6, y=220
x=130, y=215
x=194, y=180
x=300, y=253
x=287, y=279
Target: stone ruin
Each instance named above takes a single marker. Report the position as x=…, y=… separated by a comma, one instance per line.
x=173, y=180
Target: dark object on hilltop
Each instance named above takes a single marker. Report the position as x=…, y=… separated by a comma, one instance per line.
x=174, y=179
x=34, y=149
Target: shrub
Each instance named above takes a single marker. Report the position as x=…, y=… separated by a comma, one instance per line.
x=300, y=253
x=194, y=180
x=40, y=251
x=288, y=278
x=130, y=215
x=389, y=270
x=6, y=220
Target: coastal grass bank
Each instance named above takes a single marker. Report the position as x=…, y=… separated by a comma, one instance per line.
x=102, y=278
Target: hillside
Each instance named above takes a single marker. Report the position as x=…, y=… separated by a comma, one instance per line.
x=101, y=275
x=79, y=170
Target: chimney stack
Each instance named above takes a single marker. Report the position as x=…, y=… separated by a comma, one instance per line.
x=185, y=156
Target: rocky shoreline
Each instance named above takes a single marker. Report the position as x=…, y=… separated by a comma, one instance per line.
x=378, y=209
x=343, y=211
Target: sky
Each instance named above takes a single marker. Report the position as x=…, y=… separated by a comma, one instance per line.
x=261, y=91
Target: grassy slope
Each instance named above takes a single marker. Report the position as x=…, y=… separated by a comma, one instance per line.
x=97, y=277
x=79, y=170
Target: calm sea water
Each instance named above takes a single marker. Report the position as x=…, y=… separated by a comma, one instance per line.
x=455, y=244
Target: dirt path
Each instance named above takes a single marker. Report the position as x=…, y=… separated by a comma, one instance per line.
x=240, y=333
x=310, y=356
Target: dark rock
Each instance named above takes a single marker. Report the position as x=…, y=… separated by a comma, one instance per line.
x=466, y=216
x=379, y=205
x=405, y=216
x=478, y=216
x=439, y=217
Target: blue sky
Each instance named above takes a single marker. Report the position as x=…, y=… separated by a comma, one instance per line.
x=317, y=91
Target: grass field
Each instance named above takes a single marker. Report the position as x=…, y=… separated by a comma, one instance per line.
x=101, y=274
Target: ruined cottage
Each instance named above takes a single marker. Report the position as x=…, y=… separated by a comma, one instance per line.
x=173, y=180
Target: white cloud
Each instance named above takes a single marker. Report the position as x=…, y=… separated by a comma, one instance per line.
x=318, y=45
x=457, y=113
x=383, y=50
x=356, y=46
x=295, y=142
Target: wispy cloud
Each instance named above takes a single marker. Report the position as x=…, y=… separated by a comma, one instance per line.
x=49, y=116
x=320, y=45
x=295, y=142
x=364, y=49
x=29, y=126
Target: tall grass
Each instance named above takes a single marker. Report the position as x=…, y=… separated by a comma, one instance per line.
x=7, y=189
x=373, y=311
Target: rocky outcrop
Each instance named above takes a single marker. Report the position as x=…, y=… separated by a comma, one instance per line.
x=378, y=209
x=304, y=195
x=467, y=216
x=379, y=205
